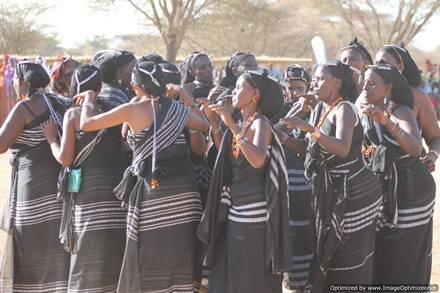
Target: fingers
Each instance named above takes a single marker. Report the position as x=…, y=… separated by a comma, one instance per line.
x=202, y=101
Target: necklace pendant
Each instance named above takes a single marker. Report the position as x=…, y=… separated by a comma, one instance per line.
x=235, y=150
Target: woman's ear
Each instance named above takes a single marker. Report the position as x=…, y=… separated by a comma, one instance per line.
x=256, y=96
x=338, y=85
x=388, y=90
x=401, y=67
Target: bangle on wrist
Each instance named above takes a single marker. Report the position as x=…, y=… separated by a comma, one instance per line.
x=193, y=131
x=315, y=135
x=400, y=133
x=435, y=153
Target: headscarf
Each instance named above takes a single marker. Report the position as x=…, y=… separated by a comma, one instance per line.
x=271, y=95
x=34, y=74
x=410, y=71
x=188, y=65
x=85, y=77
x=171, y=73
x=401, y=92
x=149, y=76
x=357, y=45
x=296, y=72
x=59, y=82
x=230, y=79
x=348, y=89
x=109, y=61
x=156, y=58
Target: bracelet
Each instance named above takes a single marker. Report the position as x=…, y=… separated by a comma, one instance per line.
x=193, y=131
x=315, y=135
x=87, y=104
x=394, y=126
x=401, y=132
x=435, y=153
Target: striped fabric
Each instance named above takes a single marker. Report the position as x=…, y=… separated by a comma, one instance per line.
x=164, y=212
x=94, y=221
x=33, y=260
x=300, y=224
x=162, y=252
x=36, y=211
x=250, y=213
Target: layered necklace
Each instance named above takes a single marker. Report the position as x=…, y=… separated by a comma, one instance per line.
x=237, y=139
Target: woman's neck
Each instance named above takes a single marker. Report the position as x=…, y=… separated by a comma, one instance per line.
x=248, y=112
x=331, y=100
x=37, y=91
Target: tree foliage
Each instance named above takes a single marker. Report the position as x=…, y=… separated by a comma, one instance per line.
x=21, y=30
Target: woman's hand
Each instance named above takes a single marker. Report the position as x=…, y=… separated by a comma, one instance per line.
x=214, y=93
x=85, y=97
x=209, y=113
x=173, y=91
x=224, y=112
x=377, y=114
x=50, y=130
x=297, y=123
x=429, y=160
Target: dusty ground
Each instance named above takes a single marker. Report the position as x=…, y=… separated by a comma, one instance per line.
x=4, y=187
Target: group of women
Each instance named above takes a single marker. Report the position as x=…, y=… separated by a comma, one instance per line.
x=135, y=175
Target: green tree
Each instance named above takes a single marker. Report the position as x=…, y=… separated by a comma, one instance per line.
x=20, y=30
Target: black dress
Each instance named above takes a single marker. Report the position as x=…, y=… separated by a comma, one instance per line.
x=98, y=219
x=346, y=201
x=404, y=239
x=33, y=214
x=162, y=252
x=240, y=265
x=300, y=223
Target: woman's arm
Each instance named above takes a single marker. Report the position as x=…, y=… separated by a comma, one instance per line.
x=195, y=122
x=90, y=122
x=12, y=127
x=197, y=143
x=295, y=145
x=409, y=140
x=65, y=152
x=340, y=145
x=402, y=125
x=255, y=150
x=429, y=125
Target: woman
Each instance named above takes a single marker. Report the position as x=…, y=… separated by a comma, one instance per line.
x=357, y=57
x=32, y=214
x=236, y=66
x=93, y=226
x=245, y=223
x=116, y=67
x=198, y=75
x=346, y=196
x=164, y=207
x=300, y=212
x=61, y=75
x=392, y=147
x=198, y=81
x=400, y=58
